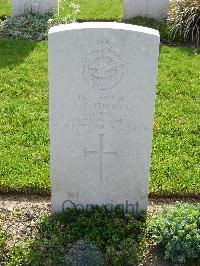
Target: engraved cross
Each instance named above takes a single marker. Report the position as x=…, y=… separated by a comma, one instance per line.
x=100, y=154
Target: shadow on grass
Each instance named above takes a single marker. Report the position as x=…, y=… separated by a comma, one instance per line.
x=13, y=52
x=77, y=237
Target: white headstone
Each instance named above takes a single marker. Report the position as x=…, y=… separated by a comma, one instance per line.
x=102, y=91
x=37, y=6
x=149, y=8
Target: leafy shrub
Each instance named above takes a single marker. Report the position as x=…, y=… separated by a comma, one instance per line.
x=178, y=231
x=99, y=236
x=33, y=26
x=184, y=17
x=29, y=26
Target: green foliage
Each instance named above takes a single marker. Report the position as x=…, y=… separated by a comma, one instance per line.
x=32, y=26
x=161, y=25
x=3, y=245
x=178, y=231
x=28, y=26
x=184, y=17
x=67, y=13
x=98, y=235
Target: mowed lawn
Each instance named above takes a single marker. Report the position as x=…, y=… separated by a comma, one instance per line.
x=5, y=7
x=89, y=9
x=24, y=137
x=95, y=9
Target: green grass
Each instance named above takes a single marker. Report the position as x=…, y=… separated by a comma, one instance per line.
x=96, y=9
x=89, y=9
x=24, y=139
x=5, y=7
x=176, y=161
x=24, y=116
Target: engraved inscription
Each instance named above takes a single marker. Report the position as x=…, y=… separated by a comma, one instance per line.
x=100, y=154
x=103, y=69
x=101, y=112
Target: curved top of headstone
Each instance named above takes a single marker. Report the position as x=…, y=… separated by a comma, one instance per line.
x=103, y=25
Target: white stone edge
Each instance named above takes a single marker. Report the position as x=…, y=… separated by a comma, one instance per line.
x=102, y=25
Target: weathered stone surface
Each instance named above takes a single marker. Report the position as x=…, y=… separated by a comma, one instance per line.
x=40, y=6
x=102, y=91
x=149, y=8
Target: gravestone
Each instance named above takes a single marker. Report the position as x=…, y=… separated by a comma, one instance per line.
x=149, y=8
x=102, y=92
x=37, y=6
